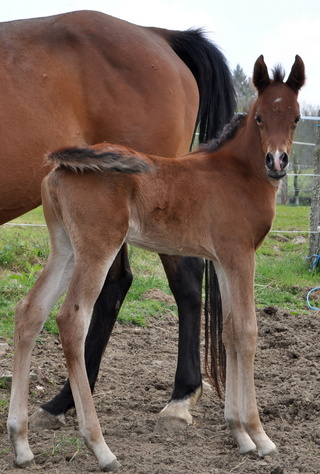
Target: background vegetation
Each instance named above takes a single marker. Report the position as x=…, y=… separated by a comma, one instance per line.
x=282, y=276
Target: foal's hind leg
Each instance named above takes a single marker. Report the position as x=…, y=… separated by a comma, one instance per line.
x=104, y=316
x=31, y=313
x=185, y=278
x=73, y=322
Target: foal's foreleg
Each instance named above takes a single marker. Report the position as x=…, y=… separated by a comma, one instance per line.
x=232, y=417
x=240, y=337
x=31, y=313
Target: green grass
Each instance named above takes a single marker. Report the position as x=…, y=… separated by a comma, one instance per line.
x=282, y=271
x=63, y=445
x=23, y=251
x=282, y=274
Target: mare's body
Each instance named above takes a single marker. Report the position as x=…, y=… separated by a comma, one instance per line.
x=81, y=78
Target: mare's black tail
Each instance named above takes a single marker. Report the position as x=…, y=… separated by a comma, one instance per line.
x=213, y=76
x=215, y=364
x=216, y=109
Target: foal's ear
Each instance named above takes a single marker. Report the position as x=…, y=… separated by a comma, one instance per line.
x=297, y=76
x=261, y=78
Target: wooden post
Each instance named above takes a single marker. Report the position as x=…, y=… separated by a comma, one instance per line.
x=314, y=246
x=284, y=191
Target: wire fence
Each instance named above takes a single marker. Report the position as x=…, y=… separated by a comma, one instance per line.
x=297, y=186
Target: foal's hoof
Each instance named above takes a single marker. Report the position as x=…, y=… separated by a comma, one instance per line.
x=170, y=424
x=112, y=467
x=42, y=419
x=24, y=464
x=273, y=452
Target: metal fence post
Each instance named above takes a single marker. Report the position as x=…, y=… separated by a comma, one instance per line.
x=315, y=202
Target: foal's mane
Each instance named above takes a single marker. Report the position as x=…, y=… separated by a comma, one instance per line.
x=278, y=73
x=226, y=134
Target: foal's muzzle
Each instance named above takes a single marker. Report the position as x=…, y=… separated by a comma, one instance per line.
x=276, y=164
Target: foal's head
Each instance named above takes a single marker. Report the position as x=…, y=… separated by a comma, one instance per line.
x=276, y=112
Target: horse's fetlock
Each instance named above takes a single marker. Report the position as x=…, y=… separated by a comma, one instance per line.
x=232, y=423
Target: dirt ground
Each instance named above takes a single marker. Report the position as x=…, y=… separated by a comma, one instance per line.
x=135, y=383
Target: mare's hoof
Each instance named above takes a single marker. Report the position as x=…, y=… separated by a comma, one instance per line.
x=170, y=424
x=112, y=467
x=42, y=419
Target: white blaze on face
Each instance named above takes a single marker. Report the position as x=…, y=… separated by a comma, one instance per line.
x=277, y=153
x=276, y=157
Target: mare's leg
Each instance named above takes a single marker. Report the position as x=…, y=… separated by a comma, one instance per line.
x=185, y=280
x=31, y=313
x=240, y=338
x=104, y=316
x=73, y=322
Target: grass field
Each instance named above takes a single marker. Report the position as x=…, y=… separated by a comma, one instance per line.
x=282, y=272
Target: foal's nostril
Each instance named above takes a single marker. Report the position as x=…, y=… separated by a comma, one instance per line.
x=284, y=160
x=269, y=161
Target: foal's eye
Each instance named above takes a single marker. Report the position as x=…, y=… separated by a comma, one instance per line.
x=258, y=119
x=296, y=120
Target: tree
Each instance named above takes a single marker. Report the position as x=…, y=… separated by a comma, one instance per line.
x=244, y=89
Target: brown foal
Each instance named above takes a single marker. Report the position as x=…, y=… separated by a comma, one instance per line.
x=217, y=203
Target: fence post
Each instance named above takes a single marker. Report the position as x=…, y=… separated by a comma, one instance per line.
x=284, y=190
x=315, y=202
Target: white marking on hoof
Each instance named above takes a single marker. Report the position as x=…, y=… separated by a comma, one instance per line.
x=44, y=420
x=111, y=467
x=247, y=447
x=170, y=425
x=180, y=408
x=269, y=450
x=207, y=386
x=23, y=455
x=24, y=464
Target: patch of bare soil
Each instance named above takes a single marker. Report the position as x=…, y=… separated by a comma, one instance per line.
x=135, y=383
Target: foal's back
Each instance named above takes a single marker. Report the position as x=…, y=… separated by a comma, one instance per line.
x=177, y=206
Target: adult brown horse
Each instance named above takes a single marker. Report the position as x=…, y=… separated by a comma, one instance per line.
x=85, y=77
x=181, y=206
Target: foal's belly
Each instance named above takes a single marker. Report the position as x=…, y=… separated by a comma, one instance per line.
x=168, y=243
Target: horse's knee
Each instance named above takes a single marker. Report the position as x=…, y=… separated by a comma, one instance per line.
x=245, y=342
x=29, y=318
x=239, y=336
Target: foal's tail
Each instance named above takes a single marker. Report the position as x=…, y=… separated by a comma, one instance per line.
x=90, y=159
x=215, y=365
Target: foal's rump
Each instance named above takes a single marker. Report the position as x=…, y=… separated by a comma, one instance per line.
x=90, y=189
